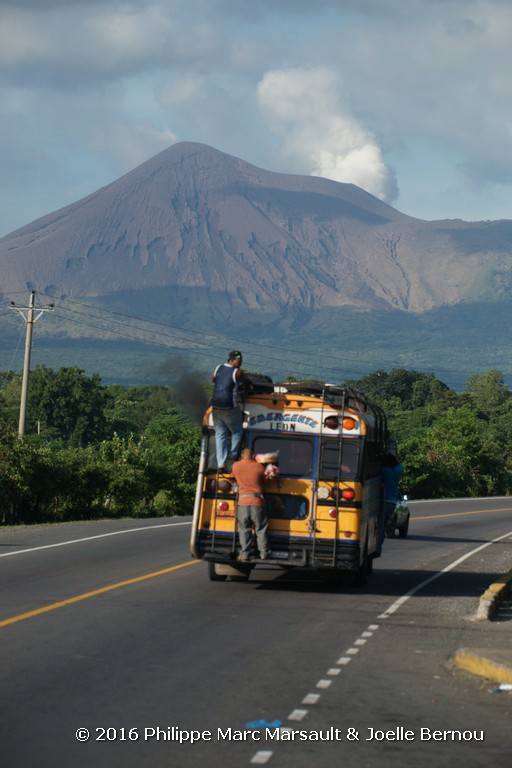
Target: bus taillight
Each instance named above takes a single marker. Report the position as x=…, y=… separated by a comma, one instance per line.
x=332, y=512
x=223, y=506
x=349, y=423
x=348, y=494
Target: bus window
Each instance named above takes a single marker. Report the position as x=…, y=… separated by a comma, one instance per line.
x=330, y=457
x=295, y=454
x=286, y=506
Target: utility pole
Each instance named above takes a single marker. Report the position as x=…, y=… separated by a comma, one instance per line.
x=29, y=320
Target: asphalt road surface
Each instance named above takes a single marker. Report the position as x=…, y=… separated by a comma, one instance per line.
x=116, y=650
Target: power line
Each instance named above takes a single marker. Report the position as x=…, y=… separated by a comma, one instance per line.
x=264, y=353
x=9, y=369
x=274, y=356
x=219, y=340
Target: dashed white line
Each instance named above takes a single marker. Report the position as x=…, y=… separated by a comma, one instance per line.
x=263, y=756
x=333, y=671
x=297, y=714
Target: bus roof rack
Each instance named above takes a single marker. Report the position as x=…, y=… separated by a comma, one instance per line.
x=318, y=389
x=334, y=394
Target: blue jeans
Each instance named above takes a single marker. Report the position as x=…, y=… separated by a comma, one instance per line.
x=247, y=517
x=387, y=509
x=228, y=425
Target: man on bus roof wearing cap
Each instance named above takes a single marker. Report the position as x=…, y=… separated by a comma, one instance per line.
x=227, y=416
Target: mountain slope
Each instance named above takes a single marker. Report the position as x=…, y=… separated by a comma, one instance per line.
x=202, y=241
x=196, y=220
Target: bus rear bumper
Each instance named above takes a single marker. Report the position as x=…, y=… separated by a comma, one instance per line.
x=294, y=552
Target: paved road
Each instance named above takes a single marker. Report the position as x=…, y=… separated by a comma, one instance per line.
x=112, y=627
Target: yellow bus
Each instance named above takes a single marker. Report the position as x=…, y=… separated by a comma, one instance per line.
x=324, y=504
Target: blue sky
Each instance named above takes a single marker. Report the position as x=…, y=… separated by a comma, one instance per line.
x=411, y=100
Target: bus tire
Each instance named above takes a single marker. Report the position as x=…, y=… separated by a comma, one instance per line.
x=213, y=574
x=362, y=573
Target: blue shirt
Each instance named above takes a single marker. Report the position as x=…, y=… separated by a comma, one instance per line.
x=224, y=392
x=391, y=476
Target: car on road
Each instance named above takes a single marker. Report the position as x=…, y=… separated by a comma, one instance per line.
x=399, y=520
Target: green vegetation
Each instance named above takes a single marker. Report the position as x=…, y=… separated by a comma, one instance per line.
x=93, y=451
x=451, y=445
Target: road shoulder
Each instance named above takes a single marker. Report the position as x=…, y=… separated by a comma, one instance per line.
x=494, y=663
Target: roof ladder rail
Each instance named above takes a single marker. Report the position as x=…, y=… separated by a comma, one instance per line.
x=339, y=477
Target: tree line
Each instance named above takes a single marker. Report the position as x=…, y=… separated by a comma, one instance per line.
x=450, y=444
x=94, y=450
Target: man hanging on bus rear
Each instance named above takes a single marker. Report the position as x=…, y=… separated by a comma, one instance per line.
x=251, y=510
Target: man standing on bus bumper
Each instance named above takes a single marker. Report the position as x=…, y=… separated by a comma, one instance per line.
x=251, y=511
x=226, y=413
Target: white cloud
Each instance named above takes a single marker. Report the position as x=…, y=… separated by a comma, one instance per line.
x=93, y=44
x=21, y=39
x=39, y=5
x=440, y=76
x=320, y=134
x=347, y=90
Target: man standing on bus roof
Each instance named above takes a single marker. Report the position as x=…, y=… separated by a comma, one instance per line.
x=392, y=473
x=226, y=413
x=251, y=511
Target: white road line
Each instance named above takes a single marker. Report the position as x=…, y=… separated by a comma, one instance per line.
x=401, y=600
x=333, y=671
x=91, y=538
x=461, y=498
x=297, y=714
x=262, y=757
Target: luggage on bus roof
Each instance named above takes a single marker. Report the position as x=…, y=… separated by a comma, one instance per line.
x=259, y=384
